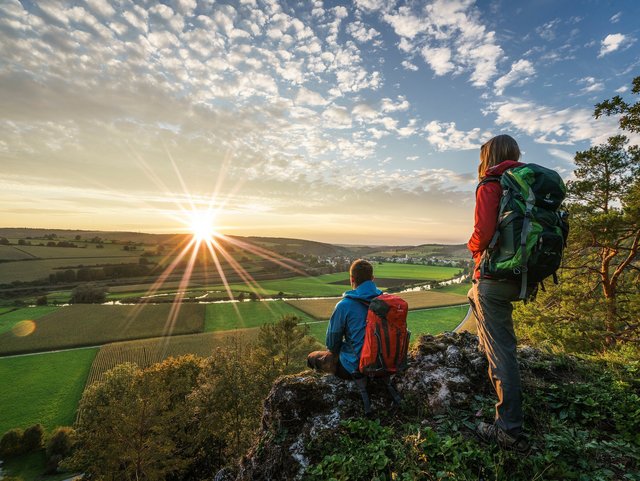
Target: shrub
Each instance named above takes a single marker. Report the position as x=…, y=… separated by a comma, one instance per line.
x=11, y=443
x=59, y=446
x=32, y=438
x=41, y=301
x=88, y=294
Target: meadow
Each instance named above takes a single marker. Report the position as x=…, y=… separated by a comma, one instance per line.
x=91, y=325
x=45, y=388
x=424, y=321
x=322, y=308
x=150, y=351
x=33, y=270
x=10, y=317
x=241, y=315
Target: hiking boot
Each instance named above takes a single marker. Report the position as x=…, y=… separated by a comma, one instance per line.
x=490, y=433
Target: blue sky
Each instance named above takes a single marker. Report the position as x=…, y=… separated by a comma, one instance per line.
x=347, y=122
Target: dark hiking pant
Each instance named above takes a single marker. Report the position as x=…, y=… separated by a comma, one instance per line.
x=491, y=303
x=326, y=361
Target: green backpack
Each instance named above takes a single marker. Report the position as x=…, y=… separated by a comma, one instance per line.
x=531, y=232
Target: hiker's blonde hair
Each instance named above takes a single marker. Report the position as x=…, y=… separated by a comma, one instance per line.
x=496, y=150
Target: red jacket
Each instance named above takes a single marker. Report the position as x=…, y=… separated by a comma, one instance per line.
x=486, y=216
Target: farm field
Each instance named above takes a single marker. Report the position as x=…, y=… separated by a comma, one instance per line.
x=34, y=270
x=322, y=308
x=425, y=321
x=10, y=317
x=336, y=284
x=11, y=253
x=45, y=252
x=460, y=289
x=149, y=351
x=90, y=325
x=242, y=315
x=45, y=388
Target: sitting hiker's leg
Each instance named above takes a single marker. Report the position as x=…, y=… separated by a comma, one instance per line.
x=324, y=361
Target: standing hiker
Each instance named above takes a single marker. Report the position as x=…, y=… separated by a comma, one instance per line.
x=491, y=299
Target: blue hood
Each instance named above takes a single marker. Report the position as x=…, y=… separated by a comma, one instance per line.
x=365, y=292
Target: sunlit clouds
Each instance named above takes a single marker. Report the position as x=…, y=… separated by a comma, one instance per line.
x=314, y=114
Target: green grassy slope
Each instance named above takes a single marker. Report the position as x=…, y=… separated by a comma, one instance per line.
x=44, y=388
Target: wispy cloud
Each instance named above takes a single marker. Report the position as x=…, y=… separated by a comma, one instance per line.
x=613, y=42
x=520, y=73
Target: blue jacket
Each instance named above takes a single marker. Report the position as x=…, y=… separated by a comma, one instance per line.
x=345, y=334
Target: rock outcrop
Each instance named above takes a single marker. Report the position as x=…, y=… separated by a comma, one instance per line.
x=444, y=371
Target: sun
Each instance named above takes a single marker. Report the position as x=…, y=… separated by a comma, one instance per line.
x=202, y=224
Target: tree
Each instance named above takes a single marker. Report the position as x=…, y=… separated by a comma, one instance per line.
x=597, y=302
x=629, y=113
x=228, y=400
x=135, y=424
x=285, y=341
x=32, y=438
x=59, y=446
x=4, y=241
x=605, y=220
x=11, y=443
x=41, y=301
x=88, y=294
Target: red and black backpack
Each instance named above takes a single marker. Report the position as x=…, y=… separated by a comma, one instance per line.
x=386, y=338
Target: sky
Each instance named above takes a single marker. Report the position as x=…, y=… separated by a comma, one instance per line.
x=344, y=122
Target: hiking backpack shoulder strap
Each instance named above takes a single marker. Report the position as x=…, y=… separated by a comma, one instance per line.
x=487, y=179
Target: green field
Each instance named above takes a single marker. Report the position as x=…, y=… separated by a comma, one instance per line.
x=91, y=325
x=44, y=388
x=240, y=315
x=322, y=308
x=34, y=270
x=334, y=284
x=425, y=321
x=461, y=289
x=436, y=320
x=9, y=319
x=45, y=252
x=146, y=352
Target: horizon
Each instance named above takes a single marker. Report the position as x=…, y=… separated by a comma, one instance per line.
x=187, y=233
x=353, y=123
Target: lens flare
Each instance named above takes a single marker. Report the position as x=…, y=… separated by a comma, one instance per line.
x=204, y=246
x=24, y=328
x=202, y=224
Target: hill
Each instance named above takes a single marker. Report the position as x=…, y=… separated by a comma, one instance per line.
x=583, y=423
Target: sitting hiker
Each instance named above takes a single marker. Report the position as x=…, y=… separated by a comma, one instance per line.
x=345, y=334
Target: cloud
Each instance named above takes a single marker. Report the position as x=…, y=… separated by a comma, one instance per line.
x=409, y=66
x=445, y=136
x=387, y=105
x=549, y=125
x=561, y=154
x=616, y=18
x=337, y=117
x=521, y=72
x=547, y=31
x=613, y=42
x=361, y=33
x=452, y=38
x=308, y=97
x=439, y=59
x=590, y=85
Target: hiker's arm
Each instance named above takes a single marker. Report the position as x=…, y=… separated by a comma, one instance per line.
x=486, y=216
x=335, y=331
